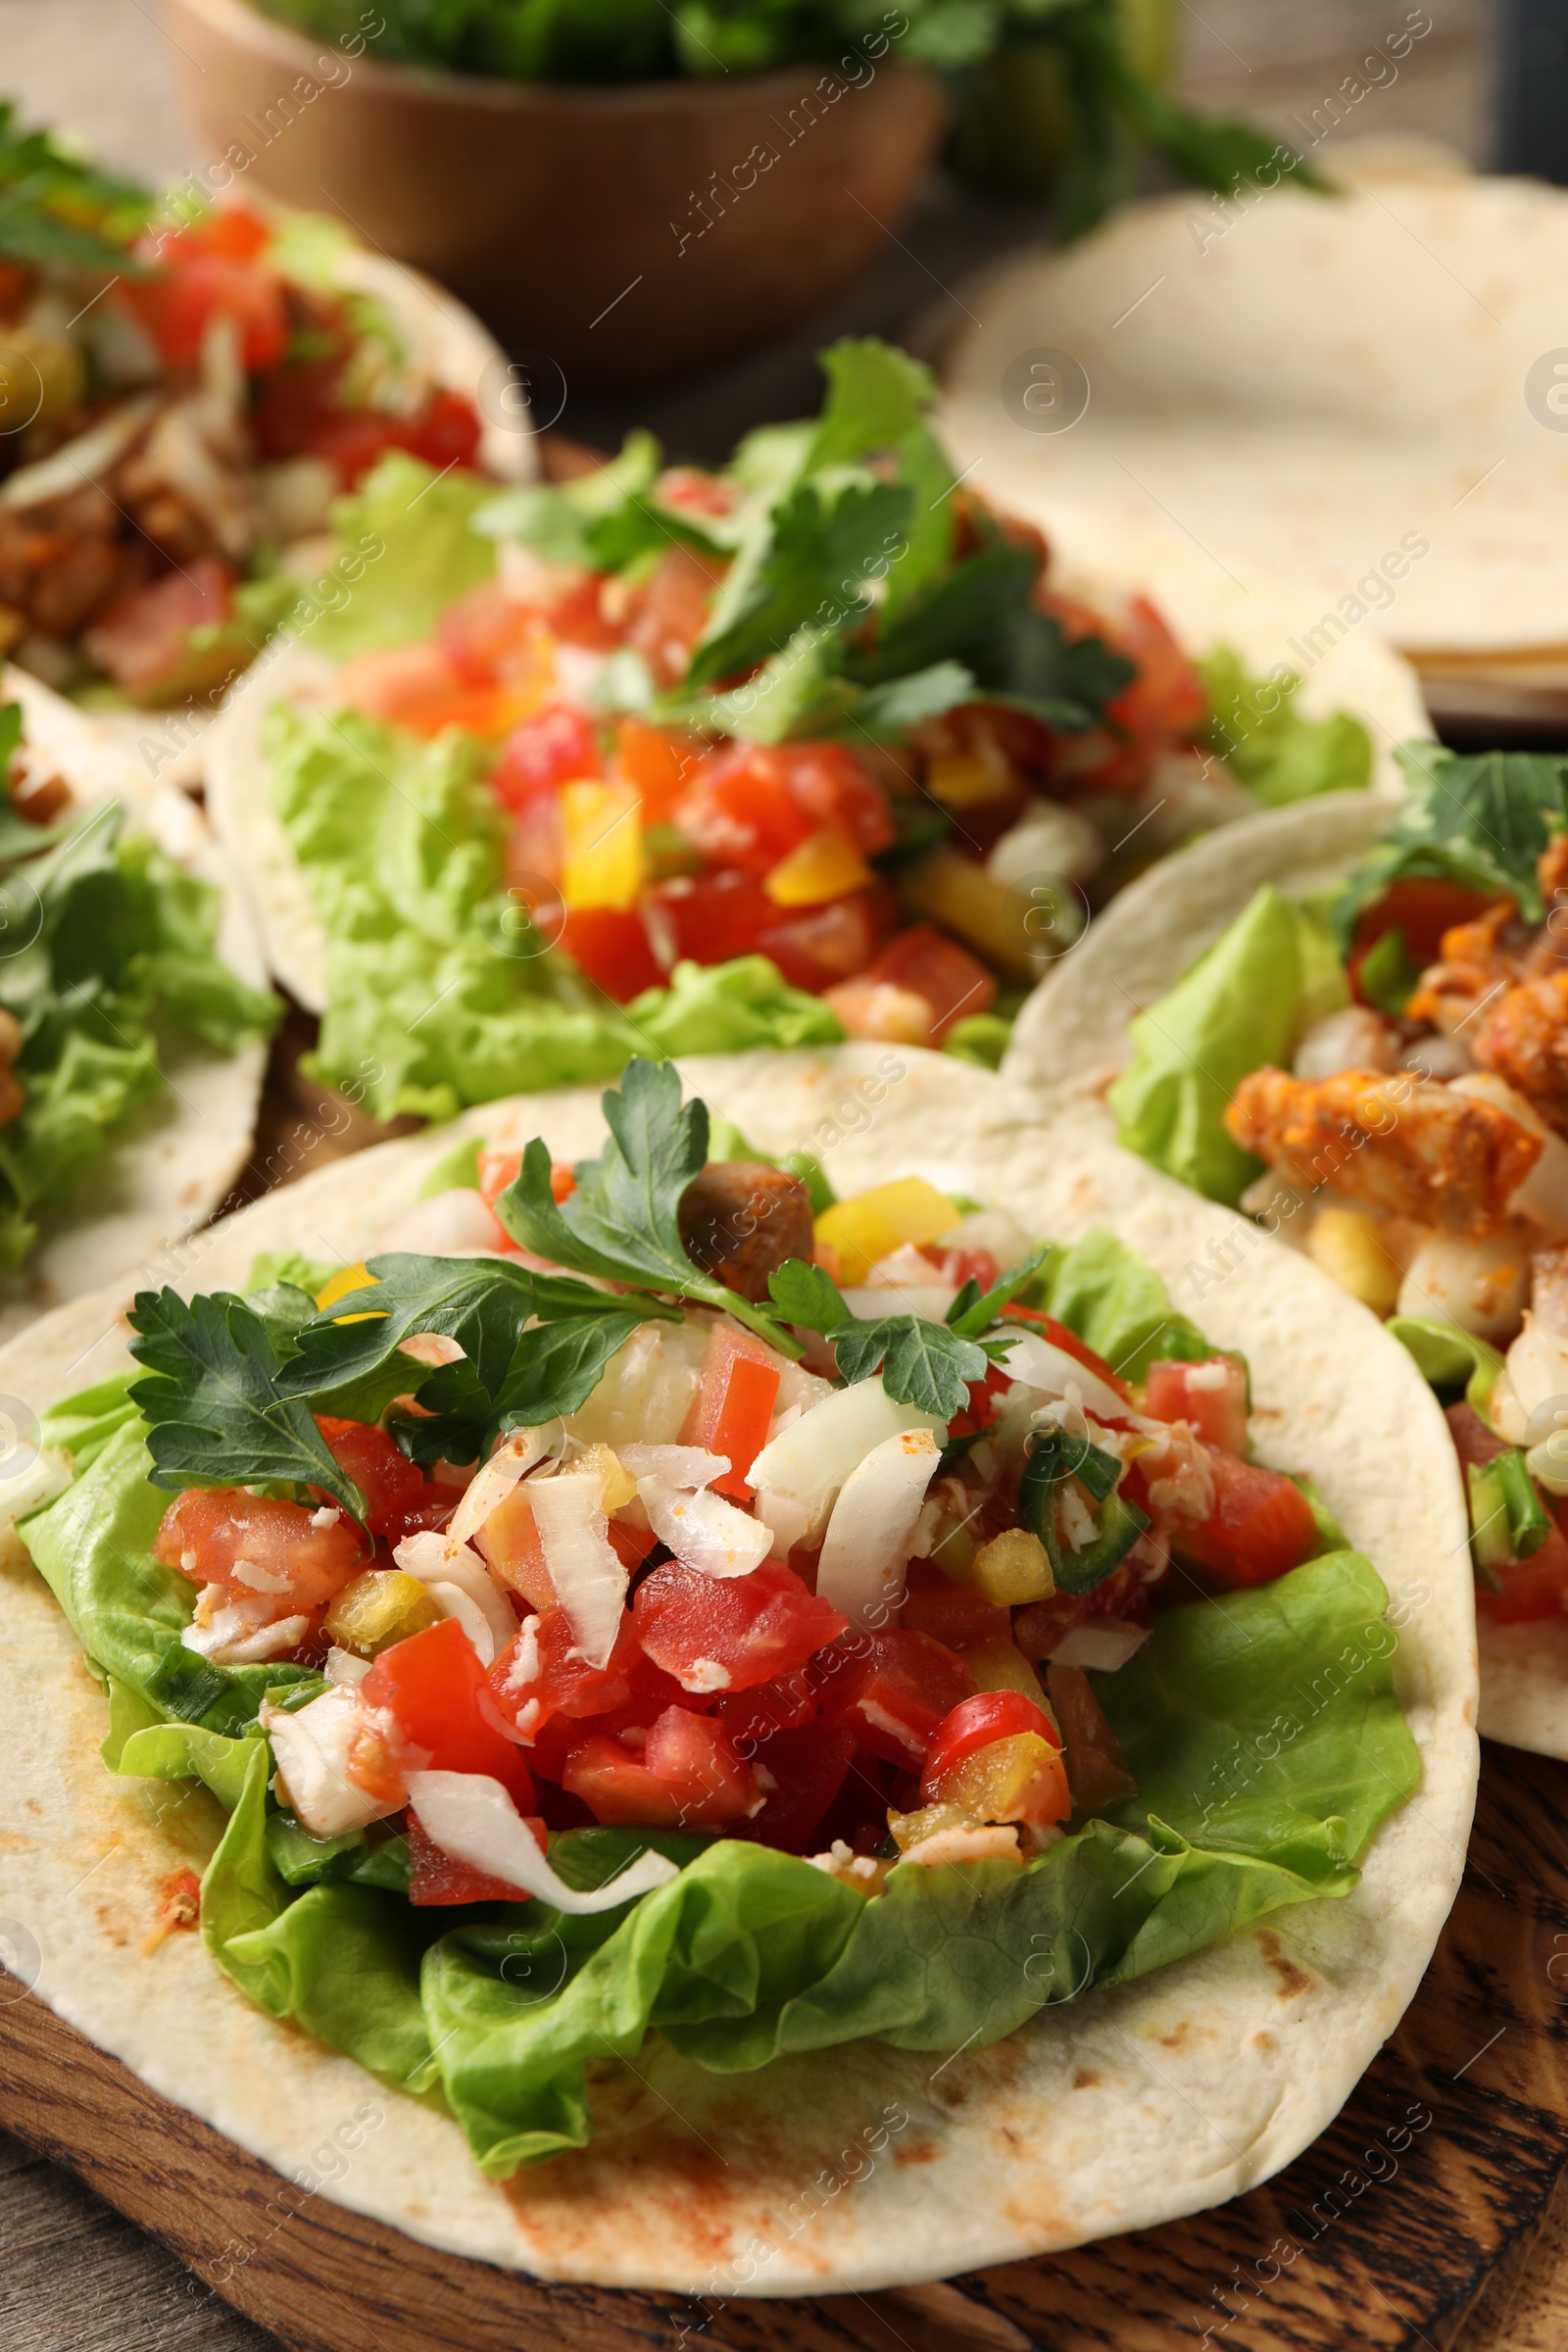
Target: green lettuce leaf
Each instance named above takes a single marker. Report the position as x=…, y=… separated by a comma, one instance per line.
x=730, y=1007
x=407, y=549
x=1246, y=1003
x=1266, y=743
x=1114, y=1300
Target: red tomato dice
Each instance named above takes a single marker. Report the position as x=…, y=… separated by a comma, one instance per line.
x=752, y=804
x=822, y=946
x=953, y=982
x=1072, y=1344
x=807, y=1767
x=611, y=946
x=579, y=617
x=688, y=1776
x=730, y=1632
x=737, y=1390
x=555, y=746
x=398, y=1496
x=215, y=1533
x=673, y=612
x=437, y=1876
x=658, y=763
x=488, y=636
x=143, y=639
x=708, y=918
x=752, y=1717
x=1210, y=1398
x=562, y=1684
x=436, y=1692
x=1421, y=909
x=414, y=686
x=1537, y=1586
x=1262, y=1524
x=972, y=1725
x=192, y=287
x=956, y=1615
x=892, y=1691
x=444, y=432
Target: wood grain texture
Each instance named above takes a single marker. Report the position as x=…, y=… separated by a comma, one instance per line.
x=1436, y=2186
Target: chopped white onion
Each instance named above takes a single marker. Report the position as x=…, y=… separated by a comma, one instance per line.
x=860, y=1570
x=511, y=1459
x=587, y=1572
x=704, y=1530
x=240, y=1629
x=646, y=1389
x=1100, y=1645
x=809, y=1462
x=673, y=1466
x=461, y=1587
x=312, y=1750
x=1478, y=1282
x=471, y=1818
x=1537, y=1377
x=343, y=1669
x=930, y=1300
x=1042, y=1365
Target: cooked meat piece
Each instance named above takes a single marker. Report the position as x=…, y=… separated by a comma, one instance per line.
x=739, y=1220
x=1398, y=1146
x=1523, y=1034
x=60, y=562
x=1478, y=959
x=12, y=1094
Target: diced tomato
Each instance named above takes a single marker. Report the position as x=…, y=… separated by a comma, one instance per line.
x=294, y=403
x=688, y=1776
x=712, y=917
x=956, y=1615
x=1164, y=705
x=563, y=1683
x=1072, y=1344
x=437, y=1876
x=1420, y=909
x=1261, y=1525
x=488, y=636
x=699, y=492
x=752, y=804
x=398, y=1496
x=192, y=286
x=497, y=1170
x=951, y=980
x=820, y=946
x=752, y=1717
x=209, y=1534
x=1536, y=1587
x=445, y=432
x=414, y=686
x=579, y=617
x=972, y=1725
x=673, y=612
x=730, y=1632
x=807, y=1767
x=657, y=763
x=1209, y=1396
x=959, y=1267
x=611, y=944
x=737, y=1390
x=435, y=1689
x=143, y=639
x=556, y=747
x=510, y=1543
x=897, y=1689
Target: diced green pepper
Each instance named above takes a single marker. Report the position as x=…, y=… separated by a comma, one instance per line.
x=1055, y=1456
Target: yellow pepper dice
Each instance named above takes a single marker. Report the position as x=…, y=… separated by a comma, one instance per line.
x=382, y=1606
x=1002, y=1666
x=1020, y=1778
x=345, y=1280
x=969, y=779
x=602, y=825
x=1016, y=936
x=1352, y=1251
x=616, y=1486
x=1012, y=1568
x=873, y=1224
x=825, y=866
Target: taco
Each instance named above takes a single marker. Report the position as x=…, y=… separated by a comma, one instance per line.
x=186, y=389
x=1350, y=1026
x=134, y=1010
x=813, y=746
x=766, y=1721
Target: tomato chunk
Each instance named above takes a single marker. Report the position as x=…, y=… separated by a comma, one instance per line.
x=1262, y=1524
x=538, y=1677
x=257, y=1545
x=1421, y=908
x=196, y=281
x=1072, y=1344
x=143, y=639
x=956, y=1615
x=673, y=612
x=556, y=745
x=398, y=1496
x=488, y=636
x=752, y=804
x=894, y=1691
x=807, y=1767
x=437, y=1876
x=445, y=432
x=1209, y=1396
x=737, y=1390
x=730, y=1632
x=688, y=1776
x=612, y=945
x=953, y=982
x=436, y=1692
x=1536, y=1587
x=657, y=763
x=975, y=1722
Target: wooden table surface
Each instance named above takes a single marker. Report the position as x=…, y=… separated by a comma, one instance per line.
x=75, y=2277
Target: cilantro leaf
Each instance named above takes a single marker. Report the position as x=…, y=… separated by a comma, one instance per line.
x=807, y=1296
x=970, y=1316
x=823, y=554
x=211, y=1401
x=923, y=1364
x=1481, y=819
x=554, y=1371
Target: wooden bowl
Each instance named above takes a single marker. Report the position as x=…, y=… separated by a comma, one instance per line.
x=626, y=233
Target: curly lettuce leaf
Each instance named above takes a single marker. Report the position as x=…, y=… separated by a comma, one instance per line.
x=406, y=550
x=1114, y=1300
x=1268, y=746
x=1247, y=1002
x=730, y=1007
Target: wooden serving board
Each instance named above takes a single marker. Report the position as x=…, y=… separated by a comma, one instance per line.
x=1382, y=2236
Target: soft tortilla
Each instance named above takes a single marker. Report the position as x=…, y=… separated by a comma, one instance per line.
x=1364, y=677
x=171, y=1164
x=1150, y=2103
x=1072, y=1038
x=1296, y=394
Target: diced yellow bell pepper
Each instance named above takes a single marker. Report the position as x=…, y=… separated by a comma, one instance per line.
x=1352, y=1251
x=382, y=1606
x=825, y=866
x=875, y=1223
x=601, y=863
x=1012, y=1568
x=1016, y=936
x=955, y=1548
x=1020, y=1778
x=969, y=779
x=616, y=1483
x=1002, y=1666
x=345, y=1280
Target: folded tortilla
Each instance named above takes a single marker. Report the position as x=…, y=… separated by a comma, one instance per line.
x=862, y=2165
x=1072, y=1038
x=165, y=1168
